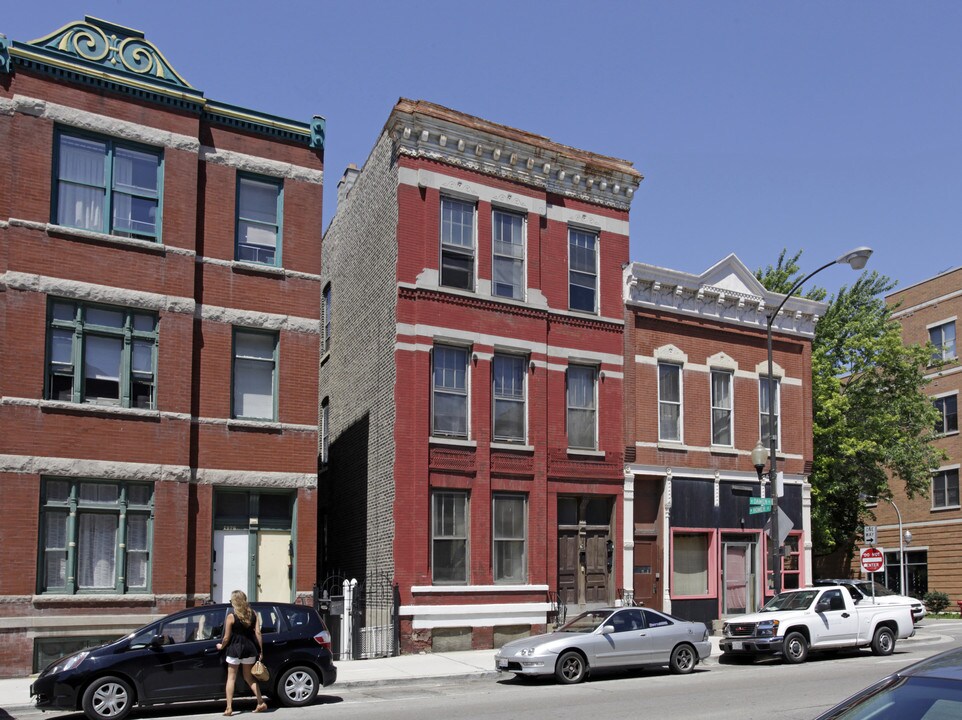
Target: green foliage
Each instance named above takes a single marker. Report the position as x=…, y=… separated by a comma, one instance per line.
x=936, y=601
x=871, y=419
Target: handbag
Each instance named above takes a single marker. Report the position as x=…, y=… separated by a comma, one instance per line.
x=260, y=671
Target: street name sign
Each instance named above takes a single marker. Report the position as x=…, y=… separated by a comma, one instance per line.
x=762, y=505
x=872, y=560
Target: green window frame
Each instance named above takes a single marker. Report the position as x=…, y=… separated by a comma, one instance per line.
x=95, y=536
x=106, y=185
x=260, y=211
x=254, y=368
x=101, y=354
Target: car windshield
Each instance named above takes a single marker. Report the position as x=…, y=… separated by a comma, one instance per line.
x=801, y=600
x=913, y=698
x=585, y=622
x=868, y=586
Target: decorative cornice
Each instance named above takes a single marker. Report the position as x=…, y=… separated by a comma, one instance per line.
x=422, y=129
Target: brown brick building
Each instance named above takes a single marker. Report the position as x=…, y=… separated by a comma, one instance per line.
x=930, y=311
x=160, y=325
x=696, y=404
x=473, y=379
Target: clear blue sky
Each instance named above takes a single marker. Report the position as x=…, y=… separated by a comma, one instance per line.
x=758, y=124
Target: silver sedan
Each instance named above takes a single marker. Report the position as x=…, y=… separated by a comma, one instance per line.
x=608, y=639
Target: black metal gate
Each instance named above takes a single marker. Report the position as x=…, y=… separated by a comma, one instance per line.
x=373, y=621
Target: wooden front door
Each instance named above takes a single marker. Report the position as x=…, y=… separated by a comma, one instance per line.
x=645, y=583
x=584, y=551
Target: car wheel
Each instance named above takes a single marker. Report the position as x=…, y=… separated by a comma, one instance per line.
x=795, y=648
x=683, y=660
x=298, y=686
x=108, y=698
x=883, y=642
x=571, y=668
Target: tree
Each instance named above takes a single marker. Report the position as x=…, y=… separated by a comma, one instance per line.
x=871, y=418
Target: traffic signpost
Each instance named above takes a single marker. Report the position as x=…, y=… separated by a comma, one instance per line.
x=872, y=560
x=758, y=505
x=871, y=534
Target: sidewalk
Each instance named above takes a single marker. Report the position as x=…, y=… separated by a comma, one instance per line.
x=15, y=692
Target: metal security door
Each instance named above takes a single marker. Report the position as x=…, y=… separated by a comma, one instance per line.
x=231, y=563
x=274, y=568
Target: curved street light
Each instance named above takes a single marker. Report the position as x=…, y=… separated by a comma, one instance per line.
x=856, y=258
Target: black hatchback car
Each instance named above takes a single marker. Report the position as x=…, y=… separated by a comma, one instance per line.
x=176, y=659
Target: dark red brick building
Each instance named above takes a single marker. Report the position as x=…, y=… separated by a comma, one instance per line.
x=696, y=399
x=472, y=379
x=160, y=324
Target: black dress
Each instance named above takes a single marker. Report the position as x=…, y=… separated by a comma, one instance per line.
x=243, y=640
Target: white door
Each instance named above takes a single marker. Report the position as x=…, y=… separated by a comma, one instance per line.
x=274, y=565
x=231, y=563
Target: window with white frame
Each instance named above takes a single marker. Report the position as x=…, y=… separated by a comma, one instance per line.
x=509, y=397
x=457, y=243
x=945, y=489
x=327, y=317
x=948, y=407
x=942, y=337
x=582, y=407
x=325, y=430
x=507, y=275
x=509, y=536
x=690, y=564
x=101, y=355
x=768, y=425
x=582, y=270
x=721, y=407
x=108, y=186
x=96, y=536
x=449, y=403
x=449, y=537
x=259, y=219
x=669, y=402
x=255, y=374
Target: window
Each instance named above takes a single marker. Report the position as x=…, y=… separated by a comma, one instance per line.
x=581, y=407
x=768, y=425
x=457, y=243
x=449, y=537
x=690, y=564
x=948, y=408
x=509, y=411
x=255, y=364
x=107, y=186
x=669, y=402
x=791, y=564
x=325, y=431
x=945, y=489
x=258, y=220
x=509, y=537
x=327, y=318
x=721, y=407
x=508, y=267
x=101, y=355
x=450, y=394
x=96, y=536
x=943, y=337
x=582, y=270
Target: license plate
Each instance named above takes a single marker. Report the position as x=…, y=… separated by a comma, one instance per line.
x=738, y=645
x=502, y=663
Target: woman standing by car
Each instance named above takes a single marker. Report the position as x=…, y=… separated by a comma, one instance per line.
x=242, y=641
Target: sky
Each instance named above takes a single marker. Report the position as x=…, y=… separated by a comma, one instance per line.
x=758, y=125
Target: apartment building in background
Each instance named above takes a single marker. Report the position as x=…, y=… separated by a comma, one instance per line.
x=160, y=315
x=929, y=311
x=696, y=403
x=471, y=375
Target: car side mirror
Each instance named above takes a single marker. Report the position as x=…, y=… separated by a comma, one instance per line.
x=607, y=629
x=823, y=606
x=157, y=641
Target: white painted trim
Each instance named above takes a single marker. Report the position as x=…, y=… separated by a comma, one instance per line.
x=434, y=616
x=707, y=474
x=708, y=449
x=943, y=321
x=948, y=393
x=943, y=373
x=474, y=589
x=741, y=374
x=589, y=221
x=260, y=165
x=473, y=190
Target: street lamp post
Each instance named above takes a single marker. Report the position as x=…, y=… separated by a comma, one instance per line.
x=856, y=259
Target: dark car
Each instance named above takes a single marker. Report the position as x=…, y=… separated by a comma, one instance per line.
x=176, y=659
x=928, y=690
x=867, y=589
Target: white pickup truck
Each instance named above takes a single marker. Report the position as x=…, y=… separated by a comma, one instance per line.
x=820, y=618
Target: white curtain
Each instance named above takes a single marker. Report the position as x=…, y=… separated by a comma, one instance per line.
x=82, y=186
x=97, y=551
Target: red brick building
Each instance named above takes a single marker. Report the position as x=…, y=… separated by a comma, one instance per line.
x=696, y=399
x=160, y=325
x=929, y=311
x=472, y=377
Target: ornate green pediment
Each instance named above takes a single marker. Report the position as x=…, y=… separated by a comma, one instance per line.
x=114, y=48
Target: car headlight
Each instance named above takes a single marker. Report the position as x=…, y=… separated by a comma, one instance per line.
x=767, y=628
x=725, y=630
x=67, y=663
x=527, y=652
